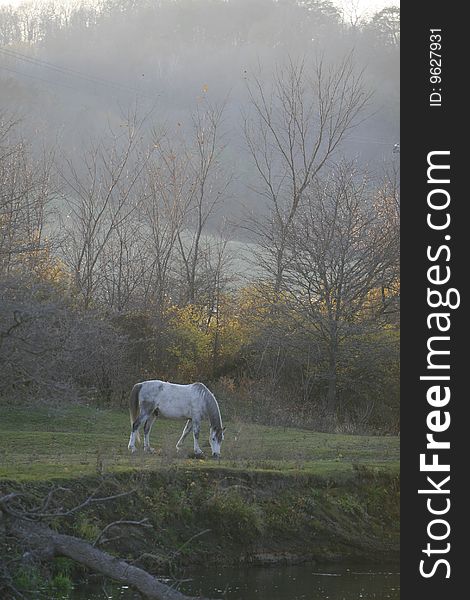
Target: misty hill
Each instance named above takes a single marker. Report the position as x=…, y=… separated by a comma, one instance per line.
x=72, y=70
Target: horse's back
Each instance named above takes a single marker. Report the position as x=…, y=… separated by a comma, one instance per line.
x=173, y=400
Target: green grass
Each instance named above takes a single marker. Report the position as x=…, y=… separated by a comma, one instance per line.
x=41, y=443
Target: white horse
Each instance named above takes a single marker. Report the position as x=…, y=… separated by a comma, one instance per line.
x=193, y=402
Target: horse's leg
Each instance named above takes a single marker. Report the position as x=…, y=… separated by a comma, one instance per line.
x=196, y=430
x=135, y=427
x=147, y=427
x=186, y=431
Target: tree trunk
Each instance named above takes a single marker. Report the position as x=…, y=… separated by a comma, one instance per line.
x=331, y=396
x=46, y=544
x=331, y=399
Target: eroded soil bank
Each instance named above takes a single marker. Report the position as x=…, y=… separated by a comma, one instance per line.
x=219, y=516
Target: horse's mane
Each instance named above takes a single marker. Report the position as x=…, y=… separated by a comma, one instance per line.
x=212, y=406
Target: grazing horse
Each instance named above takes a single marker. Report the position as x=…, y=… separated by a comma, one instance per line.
x=193, y=402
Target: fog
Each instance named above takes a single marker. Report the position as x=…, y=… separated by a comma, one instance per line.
x=72, y=72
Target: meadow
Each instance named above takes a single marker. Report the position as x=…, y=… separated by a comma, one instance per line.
x=57, y=442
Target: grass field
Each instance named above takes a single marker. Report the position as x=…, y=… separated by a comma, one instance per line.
x=51, y=442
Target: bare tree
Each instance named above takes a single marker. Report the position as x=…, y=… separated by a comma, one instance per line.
x=337, y=251
x=166, y=193
x=219, y=276
x=123, y=264
x=387, y=203
x=99, y=199
x=294, y=127
x=197, y=179
x=26, y=193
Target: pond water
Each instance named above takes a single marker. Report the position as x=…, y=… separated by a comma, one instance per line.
x=301, y=582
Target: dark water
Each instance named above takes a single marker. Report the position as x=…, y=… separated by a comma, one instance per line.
x=277, y=583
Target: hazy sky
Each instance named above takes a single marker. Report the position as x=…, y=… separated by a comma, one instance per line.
x=362, y=5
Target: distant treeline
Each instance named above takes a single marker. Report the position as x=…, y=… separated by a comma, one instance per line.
x=237, y=20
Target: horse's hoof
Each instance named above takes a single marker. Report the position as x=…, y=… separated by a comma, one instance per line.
x=132, y=450
x=150, y=450
x=199, y=455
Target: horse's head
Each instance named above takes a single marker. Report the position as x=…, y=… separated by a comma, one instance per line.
x=216, y=437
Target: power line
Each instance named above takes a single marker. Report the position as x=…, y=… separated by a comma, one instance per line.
x=69, y=72
x=48, y=81
x=66, y=70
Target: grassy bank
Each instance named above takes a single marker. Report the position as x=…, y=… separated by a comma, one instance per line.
x=278, y=495
x=202, y=516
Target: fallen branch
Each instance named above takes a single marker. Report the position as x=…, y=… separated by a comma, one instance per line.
x=42, y=543
x=47, y=544
x=142, y=523
x=38, y=513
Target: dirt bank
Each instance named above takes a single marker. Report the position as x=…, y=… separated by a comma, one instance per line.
x=212, y=516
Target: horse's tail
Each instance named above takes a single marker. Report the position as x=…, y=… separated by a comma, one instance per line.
x=134, y=408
